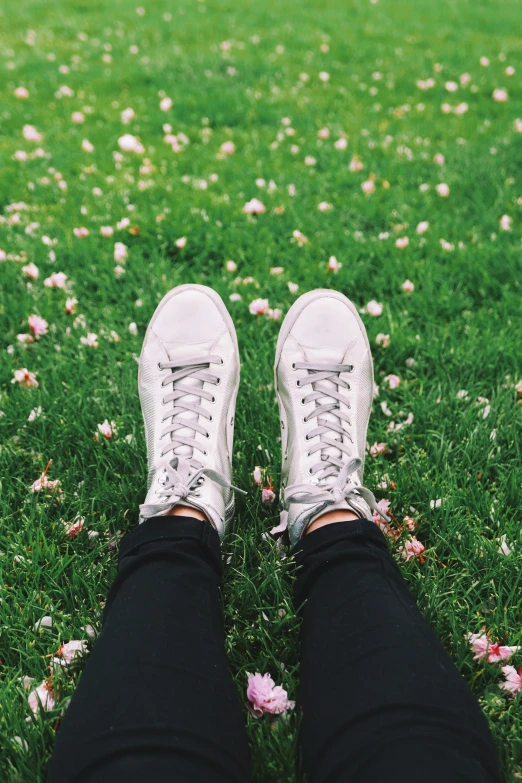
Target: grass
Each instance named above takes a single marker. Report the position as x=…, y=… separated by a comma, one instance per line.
x=461, y=326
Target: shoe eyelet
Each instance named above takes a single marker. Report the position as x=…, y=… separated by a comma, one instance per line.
x=293, y=365
x=211, y=418
x=282, y=424
x=205, y=453
x=218, y=381
x=349, y=388
x=303, y=401
x=308, y=454
x=298, y=384
x=306, y=437
x=213, y=400
x=159, y=366
x=207, y=435
x=222, y=362
x=310, y=471
x=351, y=368
x=304, y=419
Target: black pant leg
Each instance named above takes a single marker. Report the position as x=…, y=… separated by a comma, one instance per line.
x=156, y=701
x=381, y=699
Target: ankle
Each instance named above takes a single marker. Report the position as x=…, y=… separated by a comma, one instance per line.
x=329, y=518
x=187, y=511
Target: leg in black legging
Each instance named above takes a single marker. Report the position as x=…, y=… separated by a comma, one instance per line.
x=156, y=701
x=381, y=699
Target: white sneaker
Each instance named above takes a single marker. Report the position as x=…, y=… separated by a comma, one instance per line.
x=324, y=385
x=188, y=382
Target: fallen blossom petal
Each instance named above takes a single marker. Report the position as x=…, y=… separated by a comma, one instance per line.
x=412, y=548
x=267, y=495
x=513, y=682
x=37, y=325
x=42, y=697
x=265, y=696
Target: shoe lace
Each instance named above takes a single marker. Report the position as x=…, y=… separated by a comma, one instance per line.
x=183, y=473
x=338, y=481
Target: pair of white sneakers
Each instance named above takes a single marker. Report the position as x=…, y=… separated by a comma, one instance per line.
x=188, y=383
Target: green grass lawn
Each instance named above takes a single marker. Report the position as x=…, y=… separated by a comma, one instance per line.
x=267, y=77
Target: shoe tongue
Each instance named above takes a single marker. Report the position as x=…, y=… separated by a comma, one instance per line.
x=178, y=352
x=331, y=355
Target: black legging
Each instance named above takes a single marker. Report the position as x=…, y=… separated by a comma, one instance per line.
x=381, y=699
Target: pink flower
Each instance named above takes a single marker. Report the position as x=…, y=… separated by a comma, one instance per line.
x=393, y=381
x=275, y=314
x=121, y=251
x=383, y=339
x=68, y=652
x=324, y=133
x=129, y=143
x=402, y=242
x=267, y=495
x=384, y=505
x=231, y=266
x=254, y=207
x=258, y=478
x=181, y=242
x=119, y=270
x=299, y=237
x=378, y=448
x=341, y=143
x=500, y=96
x=166, y=104
x=72, y=530
x=484, y=649
x=410, y=523
x=87, y=146
x=78, y=117
x=333, y=264
x=374, y=308
x=439, y=159
x=106, y=231
x=56, y=280
x=258, y=307
x=228, y=148
x=412, y=548
x=442, y=189
x=368, y=186
x=81, y=232
x=91, y=340
x=105, y=429
x=513, y=682
x=265, y=696
x=408, y=287
x=44, y=483
x=37, y=325
x=127, y=115
x=70, y=305
x=356, y=164
x=31, y=134
x=25, y=378
x=506, y=222
x=42, y=697
x=21, y=92
x=422, y=227
x=31, y=270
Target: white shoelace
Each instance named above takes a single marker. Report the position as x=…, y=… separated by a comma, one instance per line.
x=336, y=484
x=183, y=474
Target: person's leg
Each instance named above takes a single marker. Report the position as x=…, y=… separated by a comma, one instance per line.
x=156, y=700
x=381, y=700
